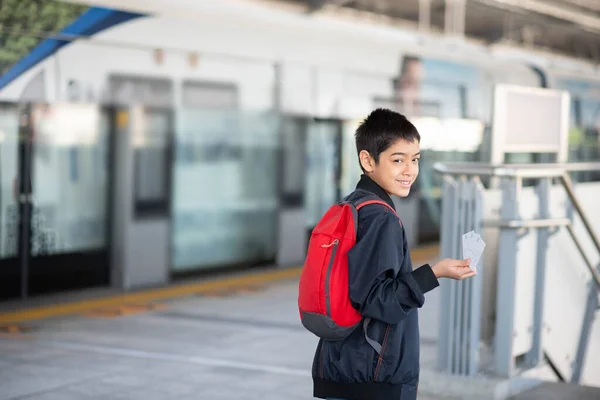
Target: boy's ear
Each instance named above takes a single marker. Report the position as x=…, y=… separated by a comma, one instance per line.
x=366, y=161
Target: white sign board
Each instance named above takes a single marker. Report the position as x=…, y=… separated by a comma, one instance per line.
x=530, y=120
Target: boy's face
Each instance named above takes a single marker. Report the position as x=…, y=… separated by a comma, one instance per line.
x=397, y=168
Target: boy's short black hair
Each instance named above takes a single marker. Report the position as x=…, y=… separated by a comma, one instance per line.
x=381, y=129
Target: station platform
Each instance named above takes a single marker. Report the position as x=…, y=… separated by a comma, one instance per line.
x=228, y=338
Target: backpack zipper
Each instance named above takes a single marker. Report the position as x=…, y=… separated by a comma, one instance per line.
x=328, y=275
x=380, y=360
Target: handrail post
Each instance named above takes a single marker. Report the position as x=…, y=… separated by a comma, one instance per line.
x=586, y=329
x=446, y=327
x=535, y=354
x=505, y=295
x=476, y=284
x=459, y=330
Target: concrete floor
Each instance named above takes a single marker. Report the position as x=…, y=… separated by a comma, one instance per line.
x=245, y=345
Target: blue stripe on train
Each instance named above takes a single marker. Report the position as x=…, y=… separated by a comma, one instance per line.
x=92, y=21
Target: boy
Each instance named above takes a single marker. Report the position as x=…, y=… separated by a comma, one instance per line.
x=380, y=360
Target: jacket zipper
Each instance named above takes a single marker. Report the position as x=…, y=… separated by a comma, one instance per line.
x=380, y=360
x=321, y=362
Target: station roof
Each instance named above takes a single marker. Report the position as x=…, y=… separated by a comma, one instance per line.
x=569, y=27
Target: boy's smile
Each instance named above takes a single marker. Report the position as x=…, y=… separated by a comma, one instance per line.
x=397, y=168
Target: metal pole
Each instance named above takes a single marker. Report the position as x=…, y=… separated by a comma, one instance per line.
x=457, y=287
x=534, y=355
x=588, y=321
x=446, y=299
x=454, y=292
x=475, y=329
x=467, y=201
x=505, y=298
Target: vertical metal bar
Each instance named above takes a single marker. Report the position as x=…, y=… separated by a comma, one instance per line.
x=588, y=321
x=277, y=87
x=474, y=331
x=445, y=244
x=535, y=353
x=459, y=288
x=452, y=284
x=453, y=327
x=505, y=298
x=466, y=287
x=464, y=106
x=473, y=319
x=446, y=240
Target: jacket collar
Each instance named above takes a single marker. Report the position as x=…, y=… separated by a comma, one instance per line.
x=368, y=184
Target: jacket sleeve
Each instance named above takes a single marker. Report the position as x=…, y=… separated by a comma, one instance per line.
x=374, y=289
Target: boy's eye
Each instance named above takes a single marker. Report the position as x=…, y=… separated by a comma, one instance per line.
x=416, y=160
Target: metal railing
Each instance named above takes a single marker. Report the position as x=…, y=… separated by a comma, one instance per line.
x=540, y=171
x=513, y=170
x=462, y=204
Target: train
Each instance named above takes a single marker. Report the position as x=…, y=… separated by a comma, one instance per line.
x=262, y=101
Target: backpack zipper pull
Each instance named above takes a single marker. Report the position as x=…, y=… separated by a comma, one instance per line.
x=330, y=244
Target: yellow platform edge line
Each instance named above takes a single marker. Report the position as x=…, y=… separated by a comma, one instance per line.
x=424, y=253
x=54, y=310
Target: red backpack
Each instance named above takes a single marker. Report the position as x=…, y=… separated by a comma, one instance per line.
x=323, y=299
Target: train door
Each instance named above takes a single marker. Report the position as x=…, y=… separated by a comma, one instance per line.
x=54, y=198
x=142, y=196
x=291, y=219
x=309, y=181
x=323, y=165
x=10, y=272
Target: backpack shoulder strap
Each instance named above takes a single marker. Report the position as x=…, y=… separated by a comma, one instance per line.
x=369, y=198
x=367, y=202
x=360, y=204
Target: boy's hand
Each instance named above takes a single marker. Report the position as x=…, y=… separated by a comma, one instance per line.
x=453, y=269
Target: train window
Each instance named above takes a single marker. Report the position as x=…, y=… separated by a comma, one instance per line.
x=585, y=138
x=152, y=164
x=293, y=137
x=584, y=130
x=450, y=98
x=150, y=91
x=9, y=172
x=321, y=173
x=225, y=195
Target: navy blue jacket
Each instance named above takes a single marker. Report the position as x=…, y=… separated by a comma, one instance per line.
x=384, y=288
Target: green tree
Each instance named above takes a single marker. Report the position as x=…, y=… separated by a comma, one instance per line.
x=25, y=23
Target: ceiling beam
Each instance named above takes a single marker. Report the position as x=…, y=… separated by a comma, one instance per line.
x=586, y=21
x=315, y=5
